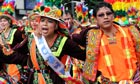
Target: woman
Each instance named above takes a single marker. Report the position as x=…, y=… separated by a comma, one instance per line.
x=52, y=29
x=42, y=69
x=32, y=22
x=11, y=41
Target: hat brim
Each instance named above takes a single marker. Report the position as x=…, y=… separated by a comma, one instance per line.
x=14, y=21
x=33, y=15
x=59, y=20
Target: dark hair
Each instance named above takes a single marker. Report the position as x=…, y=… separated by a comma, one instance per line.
x=100, y=5
x=67, y=12
x=8, y=19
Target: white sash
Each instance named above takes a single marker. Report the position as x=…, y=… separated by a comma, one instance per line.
x=52, y=61
x=47, y=55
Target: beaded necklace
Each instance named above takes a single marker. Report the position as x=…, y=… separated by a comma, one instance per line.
x=6, y=48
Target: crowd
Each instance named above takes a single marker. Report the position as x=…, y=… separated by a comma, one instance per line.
x=50, y=46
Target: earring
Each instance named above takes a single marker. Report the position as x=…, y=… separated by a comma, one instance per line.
x=56, y=27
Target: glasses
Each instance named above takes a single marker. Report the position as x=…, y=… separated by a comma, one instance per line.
x=103, y=14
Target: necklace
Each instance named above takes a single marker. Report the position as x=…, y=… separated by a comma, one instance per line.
x=7, y=33
x=4, y=40
x=112, y=40
x=6, y=47
x=51, y=42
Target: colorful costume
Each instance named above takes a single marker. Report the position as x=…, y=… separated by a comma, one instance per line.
x=14, y=42
x=38, y=70
x=99, y=56
x=66, y=48
x=11, y=41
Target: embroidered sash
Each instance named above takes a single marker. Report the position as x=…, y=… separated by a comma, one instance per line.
x=52, y=61
x=136, y=37
x=93, y=43
x=35, y=63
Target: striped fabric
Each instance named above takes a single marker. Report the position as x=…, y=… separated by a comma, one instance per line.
x=3, y=81
x=107, y=55
x=92, y=51
x=93, y=44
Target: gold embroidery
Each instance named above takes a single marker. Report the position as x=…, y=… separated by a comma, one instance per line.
x=112, y=40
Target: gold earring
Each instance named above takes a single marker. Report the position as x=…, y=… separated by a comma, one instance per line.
x=56, y=27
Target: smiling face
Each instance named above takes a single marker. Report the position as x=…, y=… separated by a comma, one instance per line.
x=34, y=20
x=34, y=23
x=4, y=23
x=48, y=26
x=104, y=17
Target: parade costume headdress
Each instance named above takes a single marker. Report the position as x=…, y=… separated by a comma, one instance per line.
x=81, y=11
x=8, y=10
x=120, y=12
x=39, y=3
x=51, y=10
x=36, y=10
x=132, y=15
x=124, y=9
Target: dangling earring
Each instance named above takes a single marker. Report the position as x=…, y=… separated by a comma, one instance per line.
x=56, y=27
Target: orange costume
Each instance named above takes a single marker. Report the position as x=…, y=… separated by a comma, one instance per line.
x=115, y=58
